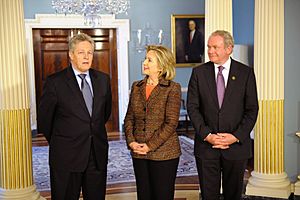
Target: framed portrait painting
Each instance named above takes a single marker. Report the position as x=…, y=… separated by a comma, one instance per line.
x=188, y=39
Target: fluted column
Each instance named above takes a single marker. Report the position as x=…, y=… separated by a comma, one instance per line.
x=268, y=178
x=297, y=184
x=16, y=180
x=218, y=16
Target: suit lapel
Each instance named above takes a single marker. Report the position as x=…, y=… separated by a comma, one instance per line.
x=211, y=82
x=233, y=75
x=98, y=89
x=142, y=90
x=73, y=84
x=155, y=92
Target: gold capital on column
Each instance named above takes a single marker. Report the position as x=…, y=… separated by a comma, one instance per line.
x=16, y=179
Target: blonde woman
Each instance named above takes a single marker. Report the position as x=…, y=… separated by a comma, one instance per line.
x=150, y=126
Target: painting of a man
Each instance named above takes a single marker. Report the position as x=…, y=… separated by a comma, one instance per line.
x=188, y=39
x=194, y=44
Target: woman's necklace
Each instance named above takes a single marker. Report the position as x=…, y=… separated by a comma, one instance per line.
x=151, y=81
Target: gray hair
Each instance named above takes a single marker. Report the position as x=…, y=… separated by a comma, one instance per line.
x=228, y=39
x=81, y=37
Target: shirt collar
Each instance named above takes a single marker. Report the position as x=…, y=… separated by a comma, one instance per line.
x=226, y=65
x=76, y=72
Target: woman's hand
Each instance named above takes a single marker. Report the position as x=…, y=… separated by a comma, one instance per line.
x=138, y=148
x=134, y=145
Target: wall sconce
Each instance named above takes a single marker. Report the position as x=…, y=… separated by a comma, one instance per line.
x=147, y=36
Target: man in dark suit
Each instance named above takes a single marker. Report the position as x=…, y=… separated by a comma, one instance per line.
x=194, y=44
x=73, y=123
x=222, y=105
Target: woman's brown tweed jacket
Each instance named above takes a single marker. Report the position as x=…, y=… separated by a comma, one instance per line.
x=154, y=121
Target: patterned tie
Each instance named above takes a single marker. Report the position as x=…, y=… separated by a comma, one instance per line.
x=86, y=92
x=220, y=86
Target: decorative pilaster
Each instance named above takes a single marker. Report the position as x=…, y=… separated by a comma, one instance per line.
x=297, y=184
x=16, y=180
x=218, y=16
x=268, y=178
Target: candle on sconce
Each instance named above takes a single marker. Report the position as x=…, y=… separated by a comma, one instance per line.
x=160, y=36
x=139, y=36
x=147, y=36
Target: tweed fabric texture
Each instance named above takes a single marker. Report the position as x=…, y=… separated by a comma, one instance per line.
x=154, y=121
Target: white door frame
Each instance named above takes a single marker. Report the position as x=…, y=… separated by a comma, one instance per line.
x=77, y=21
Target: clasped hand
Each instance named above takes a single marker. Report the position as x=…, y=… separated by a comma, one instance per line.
x=139, y=148
x=221, y=140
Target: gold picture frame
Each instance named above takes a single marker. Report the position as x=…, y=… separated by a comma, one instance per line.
x=184, y=46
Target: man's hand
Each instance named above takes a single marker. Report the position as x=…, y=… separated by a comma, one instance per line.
x=221, y=140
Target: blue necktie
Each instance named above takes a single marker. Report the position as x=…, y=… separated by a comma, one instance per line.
x=220, y=86
x=86, y=92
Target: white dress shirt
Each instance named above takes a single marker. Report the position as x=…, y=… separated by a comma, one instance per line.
x=225, y=71
x=87, y=78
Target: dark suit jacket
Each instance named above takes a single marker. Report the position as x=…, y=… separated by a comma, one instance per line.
x=65, y=121
x=237, y=115
x=195, y=48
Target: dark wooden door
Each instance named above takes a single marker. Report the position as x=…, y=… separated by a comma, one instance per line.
x=51, y=55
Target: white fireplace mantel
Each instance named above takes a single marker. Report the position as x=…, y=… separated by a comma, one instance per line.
x=77, y=21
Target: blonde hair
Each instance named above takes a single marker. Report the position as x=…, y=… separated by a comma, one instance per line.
x=81, y=37
x=166, y=61
x=228, y=39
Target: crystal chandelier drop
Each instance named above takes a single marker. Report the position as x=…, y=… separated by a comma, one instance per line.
x=90, y=9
